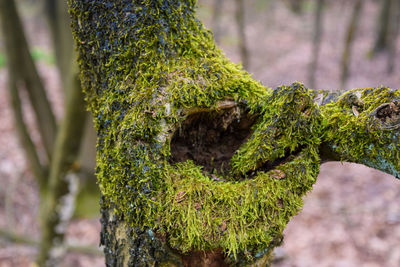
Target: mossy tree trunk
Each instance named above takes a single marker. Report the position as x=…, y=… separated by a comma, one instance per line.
x=199, y=164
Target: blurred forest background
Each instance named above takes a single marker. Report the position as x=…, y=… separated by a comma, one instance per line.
x=351, y=218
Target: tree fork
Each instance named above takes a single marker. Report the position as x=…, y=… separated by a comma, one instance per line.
x=186, y=180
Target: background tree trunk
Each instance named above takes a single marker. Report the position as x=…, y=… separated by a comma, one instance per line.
x=56, y=173
x=24, y=74
x=351, y=31
x=241, y=25
x=381, y=40
x=316, y=42
x=216, y=19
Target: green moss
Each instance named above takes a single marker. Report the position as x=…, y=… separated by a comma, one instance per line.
x=145, y=65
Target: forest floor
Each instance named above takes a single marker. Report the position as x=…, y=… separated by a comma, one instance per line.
x=351, y=218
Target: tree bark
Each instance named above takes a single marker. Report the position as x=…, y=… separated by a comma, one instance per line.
x=199, y=164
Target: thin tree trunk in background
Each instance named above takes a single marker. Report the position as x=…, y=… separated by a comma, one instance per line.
x=59, y=25
x=295, y=5
x=63, y=181
x=59, y=21
x=381, y=41
x=241, y=27
x=59, y=185
x=216, y=19
x=38, y=170
x=9, y=26
x=393, y=35
x=26, y=73
x=350, y=34
x=316, y=42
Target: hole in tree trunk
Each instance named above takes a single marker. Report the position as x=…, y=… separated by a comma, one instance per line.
x=389, y=115
x=214, y=258
x=210, y=139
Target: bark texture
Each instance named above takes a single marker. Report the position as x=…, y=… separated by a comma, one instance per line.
x=199, y=164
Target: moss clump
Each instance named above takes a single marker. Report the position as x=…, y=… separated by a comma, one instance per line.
x=145, y=66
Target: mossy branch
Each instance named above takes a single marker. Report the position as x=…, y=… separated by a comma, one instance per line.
x=362, y=126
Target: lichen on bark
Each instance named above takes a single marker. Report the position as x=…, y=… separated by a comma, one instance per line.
x=160, y=91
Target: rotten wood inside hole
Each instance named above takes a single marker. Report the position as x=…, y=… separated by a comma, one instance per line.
x=215, y=258
x=211, y=138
